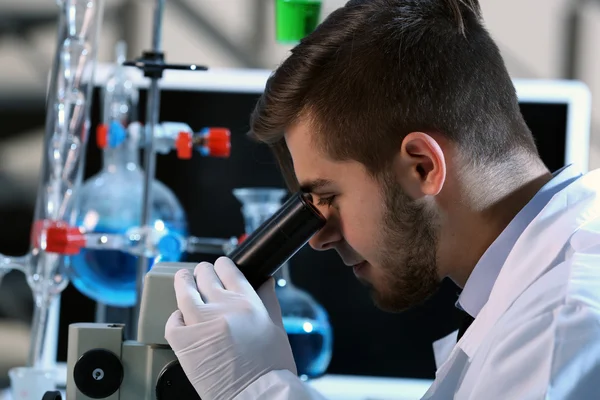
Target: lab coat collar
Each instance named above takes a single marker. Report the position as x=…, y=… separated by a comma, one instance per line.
x=479, y=285
x=568, y=210
x=554, y=225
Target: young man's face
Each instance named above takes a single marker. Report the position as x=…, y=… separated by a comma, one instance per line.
x=386, y=237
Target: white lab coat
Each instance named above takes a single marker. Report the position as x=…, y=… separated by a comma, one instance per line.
x=538, y=336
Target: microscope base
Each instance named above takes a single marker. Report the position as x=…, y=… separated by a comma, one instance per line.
x=101, y=365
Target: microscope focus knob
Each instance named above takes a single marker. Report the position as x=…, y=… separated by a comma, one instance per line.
x=172, y=383
x=98, y=373
x=52, y=395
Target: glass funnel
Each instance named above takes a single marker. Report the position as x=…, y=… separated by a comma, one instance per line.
x=305, y=321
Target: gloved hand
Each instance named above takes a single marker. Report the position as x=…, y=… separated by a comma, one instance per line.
x=222, y=333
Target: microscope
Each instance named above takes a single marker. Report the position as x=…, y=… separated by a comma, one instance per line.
x=102, y=365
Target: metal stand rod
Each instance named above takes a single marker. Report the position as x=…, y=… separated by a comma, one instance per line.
x=152, y=116
x=157, y=26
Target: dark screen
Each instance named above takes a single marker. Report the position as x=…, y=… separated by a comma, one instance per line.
x=366, y=340
x=548, y=123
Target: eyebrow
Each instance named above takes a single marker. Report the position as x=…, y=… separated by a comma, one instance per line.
x=311, y=186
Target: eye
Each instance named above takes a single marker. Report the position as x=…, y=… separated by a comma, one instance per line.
x=326, y=201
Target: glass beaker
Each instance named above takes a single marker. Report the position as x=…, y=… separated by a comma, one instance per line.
x=28, y=383
x=111, y=202
x=304, y=319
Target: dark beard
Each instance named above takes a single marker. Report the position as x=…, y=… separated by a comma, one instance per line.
x=409, y=263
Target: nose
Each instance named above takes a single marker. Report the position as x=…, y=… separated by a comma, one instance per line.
x=328, y=236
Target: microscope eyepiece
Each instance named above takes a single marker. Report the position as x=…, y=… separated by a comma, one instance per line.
x=278, y=239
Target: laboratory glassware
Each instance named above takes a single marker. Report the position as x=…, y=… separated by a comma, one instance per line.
x=67, y=127
x=119, y=98
x=305, y=321
x=110, y=203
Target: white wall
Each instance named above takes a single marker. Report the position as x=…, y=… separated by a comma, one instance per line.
x=531, y=40
x=529, y=33
x=589, y=72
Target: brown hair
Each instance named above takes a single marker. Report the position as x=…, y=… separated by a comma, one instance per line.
x=376, y=70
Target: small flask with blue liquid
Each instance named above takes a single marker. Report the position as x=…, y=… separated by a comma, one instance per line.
x=305, y=321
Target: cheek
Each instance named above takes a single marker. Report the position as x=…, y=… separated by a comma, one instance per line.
x=361, y=226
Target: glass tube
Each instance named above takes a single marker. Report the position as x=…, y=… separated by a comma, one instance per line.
x=67, y=128
x=8, y=263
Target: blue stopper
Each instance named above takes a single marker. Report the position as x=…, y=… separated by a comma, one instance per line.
x=116, y=134
x=169, y=248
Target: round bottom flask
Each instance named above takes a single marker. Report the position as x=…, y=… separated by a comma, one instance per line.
x=305, y=321
x=111, y=202
x=307, y=325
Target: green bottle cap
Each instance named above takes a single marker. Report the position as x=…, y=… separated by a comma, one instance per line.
x=294, y=19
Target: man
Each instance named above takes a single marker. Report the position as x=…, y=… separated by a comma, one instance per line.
x=401, y=121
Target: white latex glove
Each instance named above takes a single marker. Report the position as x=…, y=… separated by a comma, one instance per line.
x=222, y=333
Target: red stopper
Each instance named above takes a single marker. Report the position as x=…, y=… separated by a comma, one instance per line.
x=61, y=238
x=102, y=136
x=217, y=141
x=183, y=144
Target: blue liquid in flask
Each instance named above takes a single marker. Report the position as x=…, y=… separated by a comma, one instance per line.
x=310, y=341
x=107, y=276
x=110, y=202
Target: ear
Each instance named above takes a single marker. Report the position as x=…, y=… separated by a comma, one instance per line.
x=422, y=165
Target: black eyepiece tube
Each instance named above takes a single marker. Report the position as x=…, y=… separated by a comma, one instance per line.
x=277, y=239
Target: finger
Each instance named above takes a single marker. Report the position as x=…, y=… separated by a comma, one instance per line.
x=187, y=295
x=268, y=296
x=232, y=277
x=207, y=281
x=175, y=321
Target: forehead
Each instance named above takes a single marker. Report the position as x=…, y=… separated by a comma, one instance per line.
x=310, y=162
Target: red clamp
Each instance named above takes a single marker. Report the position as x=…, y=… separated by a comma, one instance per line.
x=217, y=142
x=61, y=238
x=184, y=145
x=102, y=136
x=242, y=238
